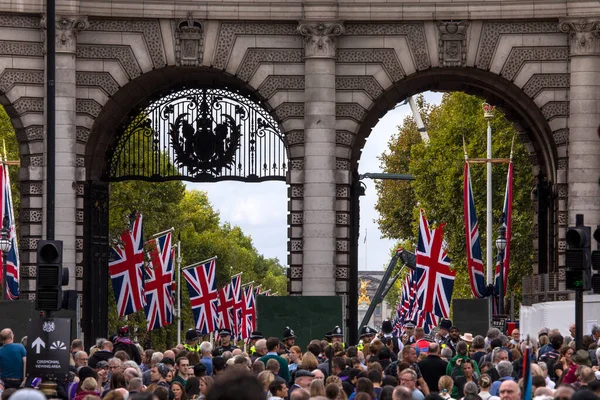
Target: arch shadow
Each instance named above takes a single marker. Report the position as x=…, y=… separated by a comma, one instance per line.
x=506, y=96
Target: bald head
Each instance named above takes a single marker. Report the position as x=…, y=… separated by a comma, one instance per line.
x=7, y=336
x=509, y=390
x=169, y=354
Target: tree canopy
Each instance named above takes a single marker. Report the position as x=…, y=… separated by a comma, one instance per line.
x=438, y=185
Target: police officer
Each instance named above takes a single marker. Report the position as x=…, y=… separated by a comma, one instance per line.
x=409, y=328
x=289, y=339
x=191, y=341
x=386, y=330
x=367, y=334
x=226, y=343
x=337, y=336
x=254, y=336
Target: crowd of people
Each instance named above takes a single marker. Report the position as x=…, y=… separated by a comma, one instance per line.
x=447, y=365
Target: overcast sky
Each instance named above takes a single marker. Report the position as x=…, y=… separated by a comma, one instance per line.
x=260, y=209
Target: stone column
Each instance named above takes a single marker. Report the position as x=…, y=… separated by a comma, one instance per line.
x=584, y=119
x=319, y=226
x=66, y=115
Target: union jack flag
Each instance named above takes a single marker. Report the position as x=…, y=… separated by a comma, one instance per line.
x=125, y=266
x=228, y=296
x=159, y=306
x=435, y=279
x=474, y=257
x=507, y=221
x=12, y=257
x=202, y=286
x=248, y=312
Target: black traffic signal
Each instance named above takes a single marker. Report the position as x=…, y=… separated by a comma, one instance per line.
x=577, y=257
x=50, y=276
x=596, y=262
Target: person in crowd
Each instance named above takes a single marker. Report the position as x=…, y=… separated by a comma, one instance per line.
x=156, y=358
x=364, y=385
x=454, y=368
x=88, y=388
x=294, y=358
x=432, y=367
x=332, y=391
x=272, y=353
x=468, y=375
x=206, y=384
x=124, y=343
x=317, y=388
x=289, y=339
x=12, y=361
x=278, y=389
x=402, y=393
x=408, y=379
x=504, y=369
x=182, y=370
x=478, y=348
x=158, y=375
x=387, y=331
x=443, y=334
x=178, y=390
x=104, y=353
x=135, y=385
x=225, y=342
x=564, y=361
x=409, y=356
x=509, y=390
x=192, y=388
x=445, y=386
x=485, y=383
x=146, y=360
x=206, y=351
x=191, y=341
x=302, y=380
x=81, y=359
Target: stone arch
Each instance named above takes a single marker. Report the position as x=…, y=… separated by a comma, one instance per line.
x=548, y=154
x=141, y=91
x=512, y=100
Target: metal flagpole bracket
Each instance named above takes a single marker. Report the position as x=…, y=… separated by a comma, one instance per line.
x=198, y=263
x=171, y=229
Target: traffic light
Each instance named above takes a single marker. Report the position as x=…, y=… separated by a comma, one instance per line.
x=578, y=274
x=50, y=276
x=596, y=262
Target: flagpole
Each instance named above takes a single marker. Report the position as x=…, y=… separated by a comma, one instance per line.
x=163, y=232
x=179, y=289
x=488, y=114
x=201, y=262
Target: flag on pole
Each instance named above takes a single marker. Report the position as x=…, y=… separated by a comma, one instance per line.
x=435, y=279
x=474, y=257
x=527, y=378
x=12, y=262
x=227, y=303
x=507, y=221
x=159, y=306
x=126, y=267
x=248, y=312
x=204, y=298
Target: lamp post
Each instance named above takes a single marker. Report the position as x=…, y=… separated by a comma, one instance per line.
x=501, y=246
x=5, y=246
x=488, y=114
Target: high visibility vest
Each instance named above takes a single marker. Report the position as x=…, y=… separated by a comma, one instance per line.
x=195, y=348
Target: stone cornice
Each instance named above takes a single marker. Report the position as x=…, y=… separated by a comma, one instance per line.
x=67, y=28
x=320, y=38
x=584, y=35
x=391, y=10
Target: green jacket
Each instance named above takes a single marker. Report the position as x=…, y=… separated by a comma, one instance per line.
x=284, y=371
x=459, y=372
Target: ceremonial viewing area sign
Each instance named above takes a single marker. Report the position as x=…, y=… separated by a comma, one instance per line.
x=48, y=343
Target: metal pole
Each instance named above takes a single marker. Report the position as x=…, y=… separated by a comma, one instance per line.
x=4, y=277
x=579, y=319
x=418, y=120
x=488, y=114
x=50, y=116
x=179, y=291
x=501, y=294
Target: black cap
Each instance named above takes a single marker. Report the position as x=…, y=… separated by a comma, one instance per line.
x=191, y=335
x=445, y=324
x=224, y=332
x=288, y=333
x=256, y=335
x=386, y=326
x=303, y=372
x=367, y=331
x=337, y=332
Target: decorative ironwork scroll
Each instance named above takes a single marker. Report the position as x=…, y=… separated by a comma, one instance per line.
x=200, y=135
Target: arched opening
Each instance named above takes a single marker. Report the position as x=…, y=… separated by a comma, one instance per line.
x=518, y=108
x=174, y=124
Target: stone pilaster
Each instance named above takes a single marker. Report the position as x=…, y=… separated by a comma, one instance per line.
x=584, y=119
x=67, y=174
x=319, y=225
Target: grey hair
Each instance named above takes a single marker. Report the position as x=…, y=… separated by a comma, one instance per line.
x=135, y=384
x=504, y=339
x=412, y=373
x=115, y=359
x=493, y=333
x=446, y=352
x=157, y=356
x=206, y=347
x=543, y=365
x=79, y=354
x=504, y=368
x=470, y=388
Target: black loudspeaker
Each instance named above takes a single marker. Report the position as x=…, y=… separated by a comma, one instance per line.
x=471, y=315
x=69, y=300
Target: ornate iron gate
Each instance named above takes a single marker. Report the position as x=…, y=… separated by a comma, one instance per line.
x=199, y=135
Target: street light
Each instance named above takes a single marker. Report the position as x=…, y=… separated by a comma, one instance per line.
x=5, y=246
x=501, y=246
